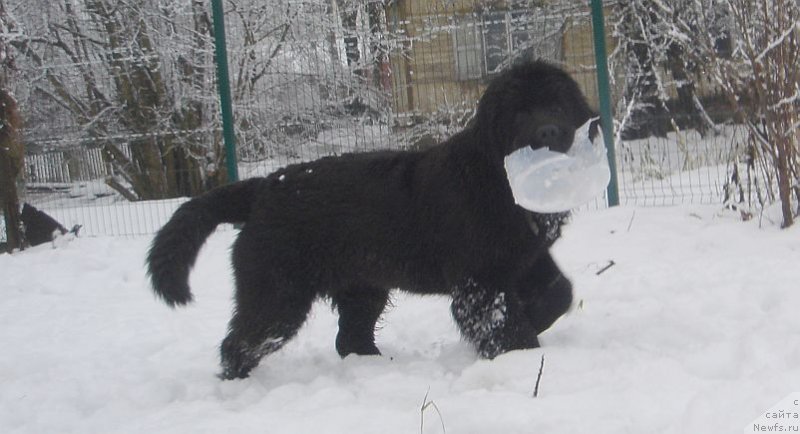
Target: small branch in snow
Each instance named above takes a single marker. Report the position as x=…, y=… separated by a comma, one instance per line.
x=610, y=264
x=425, y=405
x=538, y=378
x=630, y=223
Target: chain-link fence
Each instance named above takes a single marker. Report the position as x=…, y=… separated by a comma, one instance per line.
x=121, y=106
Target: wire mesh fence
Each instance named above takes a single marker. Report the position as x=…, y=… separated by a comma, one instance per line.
x=683, y=167
x=122, y=116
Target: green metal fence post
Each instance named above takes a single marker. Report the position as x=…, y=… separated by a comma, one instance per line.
x=604, y=93
x=224, y=85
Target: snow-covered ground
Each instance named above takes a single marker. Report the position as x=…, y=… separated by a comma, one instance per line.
x=693, y=330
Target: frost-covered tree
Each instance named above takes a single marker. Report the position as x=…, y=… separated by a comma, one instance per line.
x=655, y=51
x=302, y=67
x=762, y=79
x=750, y=50
x=138, y=79
x=124, y=73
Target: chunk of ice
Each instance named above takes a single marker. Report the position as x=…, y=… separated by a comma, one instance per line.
x=546, y=181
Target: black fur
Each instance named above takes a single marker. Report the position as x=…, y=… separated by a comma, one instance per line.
x=351, y=228
x=40, y=228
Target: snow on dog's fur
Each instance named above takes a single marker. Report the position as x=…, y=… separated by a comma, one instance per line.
x=352, y=228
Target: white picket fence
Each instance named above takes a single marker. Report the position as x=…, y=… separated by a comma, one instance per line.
x=65, y=166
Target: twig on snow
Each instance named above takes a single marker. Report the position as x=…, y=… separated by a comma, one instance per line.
x=630, y=223
x=610, y=264
x=538, y=378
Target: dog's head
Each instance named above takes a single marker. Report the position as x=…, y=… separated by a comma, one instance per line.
x=531, y=104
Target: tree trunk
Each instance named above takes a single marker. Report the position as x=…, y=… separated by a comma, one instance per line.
x=783, y=147
x=12, y=157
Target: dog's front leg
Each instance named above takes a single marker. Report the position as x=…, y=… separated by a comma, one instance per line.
x=491, y=320
x=545, y=293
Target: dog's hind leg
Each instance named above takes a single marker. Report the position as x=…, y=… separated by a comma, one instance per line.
x=359, y=310
x=259, y=329
x=269, y=310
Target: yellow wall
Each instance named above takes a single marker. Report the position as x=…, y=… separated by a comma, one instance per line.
x=424, y=79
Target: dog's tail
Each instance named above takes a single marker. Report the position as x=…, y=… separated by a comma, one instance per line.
x=176, y=245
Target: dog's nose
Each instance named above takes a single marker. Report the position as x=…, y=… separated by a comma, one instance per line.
x=551, y=136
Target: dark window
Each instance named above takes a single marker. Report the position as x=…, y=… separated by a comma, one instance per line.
x=484, y=44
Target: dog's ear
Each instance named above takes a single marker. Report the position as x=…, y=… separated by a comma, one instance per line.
x=497, y=112
x=594, y=129
x=491, y=117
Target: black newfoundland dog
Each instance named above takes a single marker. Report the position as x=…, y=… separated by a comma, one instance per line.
x=352, y=228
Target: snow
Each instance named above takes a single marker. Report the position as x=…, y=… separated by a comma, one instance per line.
x=547, y=181
x=693, y=329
